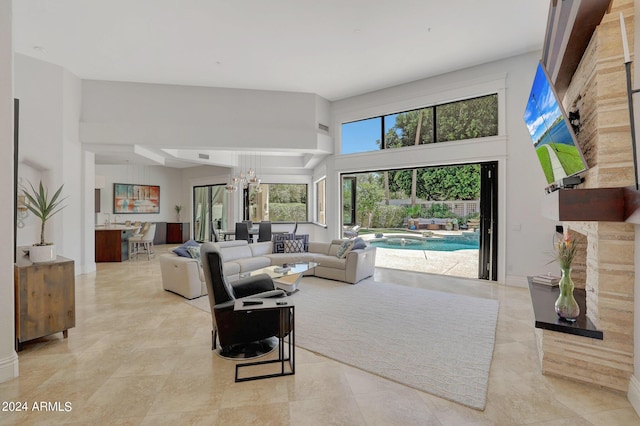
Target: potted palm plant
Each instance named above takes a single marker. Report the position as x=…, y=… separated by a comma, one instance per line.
x=43, y=207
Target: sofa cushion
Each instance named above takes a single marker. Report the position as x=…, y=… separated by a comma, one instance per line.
x=278, y=242
x=182, y=250
x=321, y=248
x=252, y=263
x=305, y=240
x=194, y=252
x=231, y=268
x=236, y=252
x=334, y=246
x=358, y=243
x=282, y=258
x=344, y=249
x=294, y=246
x=279, y=239
x=331, y=262
x=261, y=249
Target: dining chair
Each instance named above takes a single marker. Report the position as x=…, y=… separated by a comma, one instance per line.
x=264, y=231
x=242, y=231
x=143, y=241
x=214, y=232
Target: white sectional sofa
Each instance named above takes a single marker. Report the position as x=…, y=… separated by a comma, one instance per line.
x=183, y=275
x=357, y=265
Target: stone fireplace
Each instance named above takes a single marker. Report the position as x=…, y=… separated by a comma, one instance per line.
x=604, y=266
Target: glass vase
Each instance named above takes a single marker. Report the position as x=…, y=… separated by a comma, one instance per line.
x=566, y=306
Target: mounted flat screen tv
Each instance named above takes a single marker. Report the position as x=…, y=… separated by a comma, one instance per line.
x=551, y=132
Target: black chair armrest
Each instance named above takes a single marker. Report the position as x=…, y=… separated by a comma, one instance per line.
x=252, y=285
x=224, y=306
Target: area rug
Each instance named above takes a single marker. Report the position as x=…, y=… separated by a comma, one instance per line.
x=437, y=342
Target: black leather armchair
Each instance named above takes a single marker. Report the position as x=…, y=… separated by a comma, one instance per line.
x=235, y=329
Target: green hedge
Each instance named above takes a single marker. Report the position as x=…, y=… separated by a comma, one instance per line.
x=287, y=212
x=384, y=217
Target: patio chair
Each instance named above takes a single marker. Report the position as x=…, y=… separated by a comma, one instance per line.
x=351, y=232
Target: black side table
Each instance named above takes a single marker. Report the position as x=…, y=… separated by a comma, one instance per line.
x=286, y=322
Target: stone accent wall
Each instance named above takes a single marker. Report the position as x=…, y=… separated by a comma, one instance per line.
x=605, y=267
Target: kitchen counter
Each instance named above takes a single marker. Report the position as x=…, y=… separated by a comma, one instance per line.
x=112, y=242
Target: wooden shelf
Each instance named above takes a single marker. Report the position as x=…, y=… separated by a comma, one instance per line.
x=543, y=299
x=593, y=204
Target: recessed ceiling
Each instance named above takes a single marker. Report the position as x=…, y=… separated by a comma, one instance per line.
x=333, y=48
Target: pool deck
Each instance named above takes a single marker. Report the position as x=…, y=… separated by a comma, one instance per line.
x=459, y=263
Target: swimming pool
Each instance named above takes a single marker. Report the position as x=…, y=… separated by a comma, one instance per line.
x=467, y=241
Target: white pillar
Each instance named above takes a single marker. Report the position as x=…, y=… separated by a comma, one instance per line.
x=8, y=356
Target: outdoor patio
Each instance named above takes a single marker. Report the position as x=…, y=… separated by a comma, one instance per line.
x=459, y=263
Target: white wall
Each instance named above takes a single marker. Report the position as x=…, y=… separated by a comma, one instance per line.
x=50, y=150
x=8, y=356
x=73, y=230
x=169, y=180
x=183, y=116
x=524, y=235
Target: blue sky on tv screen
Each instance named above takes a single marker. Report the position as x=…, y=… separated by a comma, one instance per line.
x=542, y=109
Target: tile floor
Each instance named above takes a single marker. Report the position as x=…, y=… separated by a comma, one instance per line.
x=141, y=356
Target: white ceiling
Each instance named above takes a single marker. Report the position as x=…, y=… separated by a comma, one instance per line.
x=334, y=48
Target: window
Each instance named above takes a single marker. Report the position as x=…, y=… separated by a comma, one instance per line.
x=361, y=136
x=466, y=119
x=349, y=200
x=401, y=129
x=277, y=202
x=209, y=211
x=321, y=198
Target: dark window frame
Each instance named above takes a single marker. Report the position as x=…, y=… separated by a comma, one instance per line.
x=434, y=109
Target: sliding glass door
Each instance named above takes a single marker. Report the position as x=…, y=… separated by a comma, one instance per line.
x=488, y=260
x=209, y=211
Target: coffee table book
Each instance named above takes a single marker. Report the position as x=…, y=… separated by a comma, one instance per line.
x=548, y=280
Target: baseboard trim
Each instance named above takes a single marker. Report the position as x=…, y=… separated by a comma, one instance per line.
x=9, y=367
x=633, y=394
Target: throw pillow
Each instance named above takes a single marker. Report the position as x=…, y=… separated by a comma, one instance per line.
x=358, y=243
x=278, y=242
x=293, y=246
x=344, y=249
x=305, y=241
x=194, y=252
x=182, y=250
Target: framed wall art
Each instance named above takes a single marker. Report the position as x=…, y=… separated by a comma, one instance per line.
x=132, y=198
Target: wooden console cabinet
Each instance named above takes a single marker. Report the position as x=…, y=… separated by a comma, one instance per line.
x=177, y=233
x=44, y=298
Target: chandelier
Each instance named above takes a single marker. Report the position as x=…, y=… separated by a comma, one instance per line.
x=243, y=179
